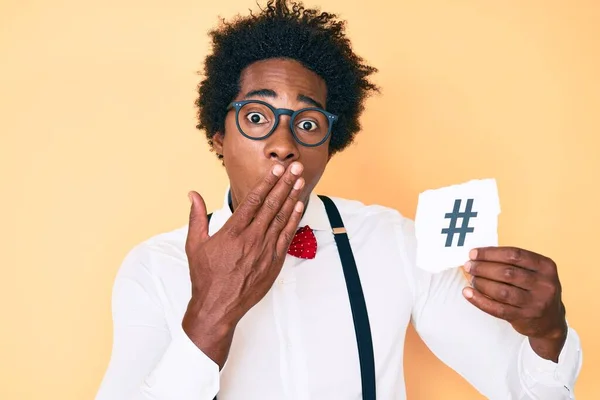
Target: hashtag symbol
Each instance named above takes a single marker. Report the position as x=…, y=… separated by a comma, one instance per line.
x=464, y=228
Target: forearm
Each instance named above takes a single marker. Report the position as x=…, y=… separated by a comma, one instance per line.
x=211, y=331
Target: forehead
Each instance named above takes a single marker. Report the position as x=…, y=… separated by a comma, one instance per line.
x=287, y=78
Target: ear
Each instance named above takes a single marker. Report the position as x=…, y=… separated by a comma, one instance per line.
x=217, y=142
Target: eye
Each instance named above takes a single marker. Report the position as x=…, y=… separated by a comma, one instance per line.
x=256, y=118
x=307, y=125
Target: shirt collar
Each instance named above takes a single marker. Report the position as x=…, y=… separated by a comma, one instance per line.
x=314, y=216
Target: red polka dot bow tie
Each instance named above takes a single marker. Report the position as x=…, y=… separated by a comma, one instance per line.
x=304, y=244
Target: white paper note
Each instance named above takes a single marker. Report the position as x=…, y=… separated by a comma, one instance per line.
x=452, y=220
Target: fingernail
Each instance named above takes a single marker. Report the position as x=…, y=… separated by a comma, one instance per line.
x=468, y=293
x=299, y=183
x=473, y=254
x=468, y=266
x=278, y=170
x=296, y=169
x=190, y=198
x=299, y=206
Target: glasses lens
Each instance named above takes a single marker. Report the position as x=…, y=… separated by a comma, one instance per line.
x=256, y=120
x=311, y=126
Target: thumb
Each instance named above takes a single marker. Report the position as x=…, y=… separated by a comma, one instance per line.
x=198, y=224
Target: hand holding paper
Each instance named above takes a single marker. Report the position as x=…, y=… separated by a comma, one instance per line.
x=457, y=225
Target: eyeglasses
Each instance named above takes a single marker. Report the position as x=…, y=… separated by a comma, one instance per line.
x=257, y=120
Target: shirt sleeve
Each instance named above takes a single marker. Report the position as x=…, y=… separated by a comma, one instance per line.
x=485, y=350
x=148, y=360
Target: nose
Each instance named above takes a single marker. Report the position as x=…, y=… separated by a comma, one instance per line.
x=281, y=146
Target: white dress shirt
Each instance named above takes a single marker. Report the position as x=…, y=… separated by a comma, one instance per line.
x=299, y=343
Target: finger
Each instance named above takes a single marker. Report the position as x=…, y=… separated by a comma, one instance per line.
x=198, y=221
x=282, y=217
x=509, y=255
x=277, y=197
x=501, y=292
x=287, y=234
x=503, y=311
x=246, y=210
x=509, y=274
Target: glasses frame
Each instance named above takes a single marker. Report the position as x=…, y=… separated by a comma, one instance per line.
x=278, y=112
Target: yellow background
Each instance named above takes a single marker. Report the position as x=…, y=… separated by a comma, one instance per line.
x=98, y=150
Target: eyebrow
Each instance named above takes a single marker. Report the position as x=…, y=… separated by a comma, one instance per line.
x=271, y=94
x=309, y=100
x=261, y=93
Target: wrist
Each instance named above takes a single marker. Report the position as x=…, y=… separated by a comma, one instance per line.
x=210, y=315
x=211, y=332
x=550, y=345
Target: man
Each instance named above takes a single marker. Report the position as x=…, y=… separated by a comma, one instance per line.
x=239, y=306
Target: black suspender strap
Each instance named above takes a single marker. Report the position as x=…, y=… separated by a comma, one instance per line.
x=358, y=306
x=357, y=301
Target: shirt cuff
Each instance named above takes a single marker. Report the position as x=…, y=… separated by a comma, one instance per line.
x=184, y=372
x=539, y=374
